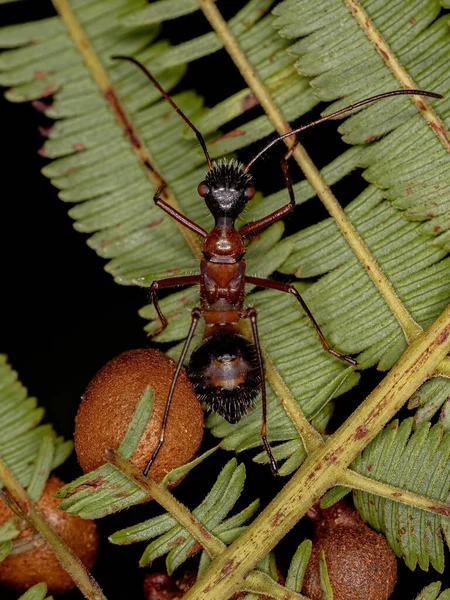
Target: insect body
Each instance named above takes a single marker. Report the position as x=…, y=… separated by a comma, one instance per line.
x=227, y=369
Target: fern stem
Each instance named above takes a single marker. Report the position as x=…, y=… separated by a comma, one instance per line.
x=356, y=481
x=325, y=466
x=399, y=72
x=70, y=562
x=210, y=543
x=102, y=80
x=311, y=438
x=257, y=582
x=410, y=328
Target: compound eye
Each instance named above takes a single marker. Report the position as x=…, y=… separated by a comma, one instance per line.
x=202, y=189
x=250, y=192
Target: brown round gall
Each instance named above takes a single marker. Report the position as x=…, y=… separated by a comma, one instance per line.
x=110, y=401
x=39, y=563
x=360, y=562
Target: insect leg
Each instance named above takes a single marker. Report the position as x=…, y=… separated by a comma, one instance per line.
x=290, y=289
x=177, y=216
x=165, y=283
x=284, y=210
x=251, y=314
x=195, y=317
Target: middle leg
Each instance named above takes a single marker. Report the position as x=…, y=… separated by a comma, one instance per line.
x=290, y=289
x=196, y=314
x=251, y=314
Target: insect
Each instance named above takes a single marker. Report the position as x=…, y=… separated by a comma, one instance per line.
x=227, y=369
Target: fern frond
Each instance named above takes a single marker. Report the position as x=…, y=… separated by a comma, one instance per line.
x=30, y=450
x=172, y=539
x=417, y=461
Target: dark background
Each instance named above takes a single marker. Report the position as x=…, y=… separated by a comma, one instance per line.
x=63, y=317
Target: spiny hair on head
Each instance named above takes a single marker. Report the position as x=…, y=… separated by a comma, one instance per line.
x=227, y=174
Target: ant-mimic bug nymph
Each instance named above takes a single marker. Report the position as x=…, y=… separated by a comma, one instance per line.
x=227, y=369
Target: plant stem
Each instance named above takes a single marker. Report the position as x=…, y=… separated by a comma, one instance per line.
x=255, y=582
x=211, y=544
x=356, y=481
x=398, y=70
x=29, y=512
x=325, y=466
x=410, y=328
x=311, y=438
x=102, y=80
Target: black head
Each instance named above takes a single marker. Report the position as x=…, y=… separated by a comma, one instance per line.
x=224, y=371
x=226, y=189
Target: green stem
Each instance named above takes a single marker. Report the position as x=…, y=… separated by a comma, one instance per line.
x=29, y=512
x=211, y=544
x=255, y=582
x=356, y=481
x=325, y=466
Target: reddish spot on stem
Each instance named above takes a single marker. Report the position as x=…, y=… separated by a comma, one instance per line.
x=444, y=335
x=79, y=147
x=385, y=55
x=412, y=20
x=361, y=432
x=396, y=494
x=228, y=567
x=277, y=518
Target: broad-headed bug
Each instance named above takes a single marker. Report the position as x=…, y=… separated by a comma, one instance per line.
x=227, y=369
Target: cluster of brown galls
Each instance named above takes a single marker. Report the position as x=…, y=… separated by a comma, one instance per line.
x=360, y=563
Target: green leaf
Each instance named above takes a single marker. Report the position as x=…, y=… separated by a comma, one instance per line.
x=43, y=466
x=106, y=490
x=179, y=472
x=417, y=461
x=37, y=592
x=297, y=568
x=29, y=450
x=137, y=425
x=172, y=539
x=325, y=584
x=5, y=549
x=10, y=529
x=431, y=592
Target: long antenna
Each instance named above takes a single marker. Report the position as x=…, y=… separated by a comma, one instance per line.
x=200, y=138
x=340, y=112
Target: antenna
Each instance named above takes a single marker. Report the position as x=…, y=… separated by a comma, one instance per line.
x=340, y=112
x=200, y=138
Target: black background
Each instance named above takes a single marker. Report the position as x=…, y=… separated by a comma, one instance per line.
x=63, y=317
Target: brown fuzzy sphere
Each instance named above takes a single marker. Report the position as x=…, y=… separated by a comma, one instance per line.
x=110, y=400
x=360, y=563
x=21, y=571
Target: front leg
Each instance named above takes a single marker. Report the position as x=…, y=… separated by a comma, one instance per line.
x=290, y=289
x=284, y=210
x=166, y=283
x=177, y=216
